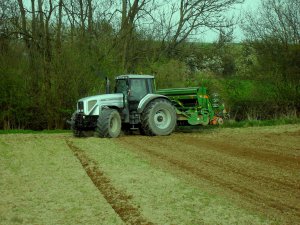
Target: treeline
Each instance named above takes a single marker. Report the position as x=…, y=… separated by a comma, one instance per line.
x=57, y=51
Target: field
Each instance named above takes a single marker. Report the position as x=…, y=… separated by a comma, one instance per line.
x=217, y=176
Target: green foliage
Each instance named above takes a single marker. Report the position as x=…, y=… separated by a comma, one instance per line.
x=36, y=98
x=172, y=73
x=41, y=78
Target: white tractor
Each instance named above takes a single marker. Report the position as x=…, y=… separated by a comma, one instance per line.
x=133, y=105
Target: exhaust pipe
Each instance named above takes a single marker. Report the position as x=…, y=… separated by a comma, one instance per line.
x=107, y=86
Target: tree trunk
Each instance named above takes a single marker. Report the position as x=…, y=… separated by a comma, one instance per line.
x=90, y=17
x=59, y=24
x=82, y=19
x=126, y=32
x=24, y=25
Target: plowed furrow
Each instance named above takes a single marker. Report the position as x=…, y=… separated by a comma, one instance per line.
x=118, y=200
x=263, y=179
x=259, y=154
x=190, y=153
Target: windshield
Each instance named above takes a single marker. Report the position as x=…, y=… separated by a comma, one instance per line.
x=138, y=88
x=121, y=86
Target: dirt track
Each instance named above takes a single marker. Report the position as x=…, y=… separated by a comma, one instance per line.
x=118, y=200
x=258, y=168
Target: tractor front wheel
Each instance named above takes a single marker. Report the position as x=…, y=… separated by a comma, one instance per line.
x=109, y=123
x=159, y=118
x=76, y=132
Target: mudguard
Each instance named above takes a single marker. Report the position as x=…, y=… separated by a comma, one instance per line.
x=148, y=98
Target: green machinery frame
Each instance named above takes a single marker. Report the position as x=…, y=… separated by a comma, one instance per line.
x=193, y=105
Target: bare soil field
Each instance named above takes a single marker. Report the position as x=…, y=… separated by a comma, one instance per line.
x=258, y=168
x=217, y=176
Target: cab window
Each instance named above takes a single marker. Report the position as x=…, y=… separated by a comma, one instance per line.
x=121, y=86
x=138, y=88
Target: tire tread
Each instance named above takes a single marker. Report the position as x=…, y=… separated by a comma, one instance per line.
x=102, y=128
x=145, y=125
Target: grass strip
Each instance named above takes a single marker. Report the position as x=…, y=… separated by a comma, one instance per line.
x=41, y=182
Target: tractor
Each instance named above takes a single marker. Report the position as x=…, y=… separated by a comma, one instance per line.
x=137, y=105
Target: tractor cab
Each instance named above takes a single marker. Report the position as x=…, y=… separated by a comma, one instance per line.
x=134, y=88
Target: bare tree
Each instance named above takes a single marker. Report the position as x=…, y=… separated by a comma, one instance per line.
x=278, y=19
x=90, y=16
x=130, y=13
x=186, y=18
x=59, y=26
x=24, y=30
x=274, y=35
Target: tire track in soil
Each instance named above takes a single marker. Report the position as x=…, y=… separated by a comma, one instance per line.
x=263, y=155
x=289, y=212
x=118, y=200
x=268, y=181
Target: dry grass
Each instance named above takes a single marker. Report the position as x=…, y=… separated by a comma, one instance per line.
x=43, y=183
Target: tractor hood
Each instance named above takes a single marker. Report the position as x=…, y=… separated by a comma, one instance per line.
x=92, y=105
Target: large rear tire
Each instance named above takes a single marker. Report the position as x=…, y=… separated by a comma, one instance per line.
x=109, y=123
x=159, y=118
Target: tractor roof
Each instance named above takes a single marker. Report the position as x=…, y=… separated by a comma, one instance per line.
x=134, y=76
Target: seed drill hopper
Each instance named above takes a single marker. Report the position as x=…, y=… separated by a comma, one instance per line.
x=194, y=106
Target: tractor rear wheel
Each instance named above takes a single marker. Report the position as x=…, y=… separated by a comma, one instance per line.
x=109, y=123
x=159, y=118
